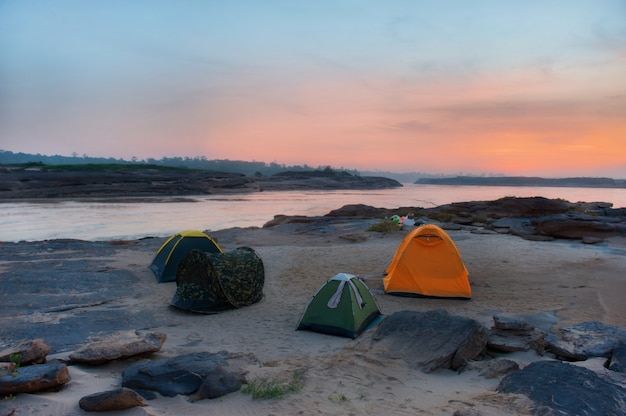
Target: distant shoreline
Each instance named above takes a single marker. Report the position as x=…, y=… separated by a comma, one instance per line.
x=582, y=182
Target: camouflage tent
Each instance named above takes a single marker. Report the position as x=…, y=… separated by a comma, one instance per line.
x=213, y=282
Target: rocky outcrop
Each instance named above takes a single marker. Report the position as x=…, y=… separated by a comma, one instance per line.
x=535, y=218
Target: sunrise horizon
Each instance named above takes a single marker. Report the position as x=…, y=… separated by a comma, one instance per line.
x=8, y=156
x=486, y=87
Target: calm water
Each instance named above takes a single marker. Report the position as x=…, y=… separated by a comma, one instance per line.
x=103, y=221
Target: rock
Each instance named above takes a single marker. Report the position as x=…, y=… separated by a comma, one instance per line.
x=574, y=225
x=449, y=226
x=34, y=378
x=359, y=211
x=588, y=339
x=498, y=368
x=177, y=375
x=618, y=358
x=515, y=225
x=511, y=323
x=27, y=352
x=217, y=384
x=506, y=207
x=560, y=388
x=118, y=399
x=117, y=346
x=511, y=333
x=483, y=231
x=591, y=240
x=429, y=340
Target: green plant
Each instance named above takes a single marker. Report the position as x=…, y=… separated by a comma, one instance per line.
x=442, y=216
x=274, y=388
x=15, y=365
x=338, y=398
x=384, y=226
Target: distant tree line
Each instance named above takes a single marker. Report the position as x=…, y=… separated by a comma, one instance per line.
x=198, y=162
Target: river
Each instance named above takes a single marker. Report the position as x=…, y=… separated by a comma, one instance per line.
x=94, y=221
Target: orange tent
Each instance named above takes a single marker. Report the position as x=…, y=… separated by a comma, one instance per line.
x=428, y=263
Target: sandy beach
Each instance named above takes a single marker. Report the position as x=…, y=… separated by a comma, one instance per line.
x=561, y=282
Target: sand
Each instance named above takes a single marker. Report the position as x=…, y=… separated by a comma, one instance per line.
x=567, y=280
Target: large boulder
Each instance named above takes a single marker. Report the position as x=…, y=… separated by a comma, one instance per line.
x=183, y=375
x=429, y=340
x=559, y=388
x=34, y=378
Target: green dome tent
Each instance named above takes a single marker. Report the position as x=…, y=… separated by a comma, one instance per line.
x=176, y=248
x=215, y=282
x=343, y=306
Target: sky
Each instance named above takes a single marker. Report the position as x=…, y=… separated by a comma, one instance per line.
x=529, y=88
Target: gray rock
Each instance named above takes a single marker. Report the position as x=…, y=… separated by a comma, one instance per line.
x=618, y=359
x=429, y=340
x=498, y=368
x=591, y=240
x=118, y=399
x=585, y=340
x=511, y=333
x=511, y=323
x=573, y=225
x=27, y=352
x=559, y=388
x=177, y=375
x=217, y=384
x=117, y=346
x=34, y=378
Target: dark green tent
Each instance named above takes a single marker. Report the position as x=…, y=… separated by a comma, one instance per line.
x=214, y=282
x=176, y=248
x=343, y=306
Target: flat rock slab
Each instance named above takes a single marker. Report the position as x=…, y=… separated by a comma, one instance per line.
x=67, y=291
x=34, y=378
x=118, y=346
x=429, y=340
x=560, y=388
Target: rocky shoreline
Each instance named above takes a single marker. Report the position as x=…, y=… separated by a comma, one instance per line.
x=532, y=218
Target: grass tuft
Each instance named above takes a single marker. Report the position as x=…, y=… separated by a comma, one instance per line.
x=262, y=388
x=442, y=216
x=384, y=226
